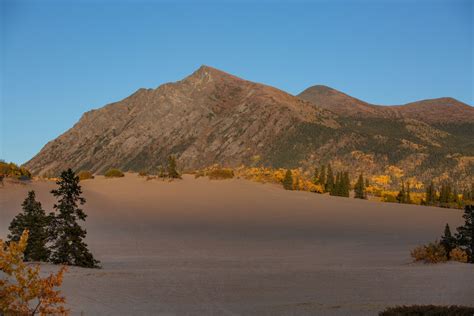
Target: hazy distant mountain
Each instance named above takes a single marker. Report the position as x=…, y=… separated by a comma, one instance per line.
x=214, y=117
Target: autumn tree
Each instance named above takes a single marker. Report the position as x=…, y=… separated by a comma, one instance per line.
x=288, y=180
x=448, y=241
x=359, y=188
x=69, y=247
x=22, y=290
x=172, y=168
x=34, y=219
x=316, y=176
x=465, y=233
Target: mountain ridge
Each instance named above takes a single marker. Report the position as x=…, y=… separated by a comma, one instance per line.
x=214, y=117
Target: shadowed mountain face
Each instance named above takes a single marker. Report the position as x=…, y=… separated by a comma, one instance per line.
x=213, y=117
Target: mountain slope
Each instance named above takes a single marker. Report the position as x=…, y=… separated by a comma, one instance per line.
x=208, y=117
x=441, y=110
x=214, y=117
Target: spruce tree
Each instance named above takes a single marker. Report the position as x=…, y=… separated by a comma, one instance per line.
x=288, y=180
x=329, y=180
x=322, y=177
x=34, y=219
x=430, y=194
x=345, y=184
x=401, y=195
x=336, y=188
x=359, y=188
x=172, y=168
x=316, y=176
x=465, y=233
x=407, y=196
x=448, y=241
x=68, y=247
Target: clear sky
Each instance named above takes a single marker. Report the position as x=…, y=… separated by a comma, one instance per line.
x=59, y=59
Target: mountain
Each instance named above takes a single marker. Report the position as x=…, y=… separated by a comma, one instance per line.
x=213, y=117
x=441, y=110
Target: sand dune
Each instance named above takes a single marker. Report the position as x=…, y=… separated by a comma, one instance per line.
x=236, y=247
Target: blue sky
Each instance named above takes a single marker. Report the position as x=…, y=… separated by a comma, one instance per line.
x=59, y=59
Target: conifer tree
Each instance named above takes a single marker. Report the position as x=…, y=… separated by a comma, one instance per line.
x=33, y=219
x=345, y=184
x=359, y=188
x=401, y=195
x=329, y=180
x=465, y=233
x=407, y=196
x=172, y=171
x=68, y=247
x=322, y=177
x=430, y=194
x=336, y=188
x=288, y=180
x=316, y=176
x=448, y=241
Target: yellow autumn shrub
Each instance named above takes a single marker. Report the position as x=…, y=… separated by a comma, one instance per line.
x=457, y=254
x=22, y=290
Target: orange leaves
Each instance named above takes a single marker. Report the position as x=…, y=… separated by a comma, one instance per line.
x=22, y=290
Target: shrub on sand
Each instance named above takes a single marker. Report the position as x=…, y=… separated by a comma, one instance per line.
x=457, y=254
x=220, y=174
x=114, y=173
x=431, y=253
x=84, y=175
x=428, y=310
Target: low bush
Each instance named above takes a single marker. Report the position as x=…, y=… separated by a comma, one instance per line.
x=431, y=253
x=457, y=254
x=220, y=174
x=428, y=310
x=143, y=173
x=84, y=175
x=114, y=173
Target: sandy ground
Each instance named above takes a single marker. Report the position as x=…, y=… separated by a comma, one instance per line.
x=234, y=247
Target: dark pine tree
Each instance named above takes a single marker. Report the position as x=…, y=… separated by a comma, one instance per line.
x=401, y=197
x=430, y=194
x=465, y=234
x=359, y=188
x=407, y=194
x=448, y=241
x=322, y=177
x=316, y=176
x=345, y=184
x=288, y=180
x=68, y=247
x=34, y=219
x=336, y=188
x=329, y=180
x=172, y=168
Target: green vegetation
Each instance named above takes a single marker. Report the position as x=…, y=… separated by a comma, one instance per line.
x=359, y=188
x=34, y=219
x=68, y=246
x=428, y=310
x=459, y=247
x=57, y=237
x=84, y=175
x=114, y=173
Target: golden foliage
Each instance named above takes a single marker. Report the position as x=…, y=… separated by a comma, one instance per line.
x=22, y=290
x=395, y=172
x=457, y=254
x=430, y=253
